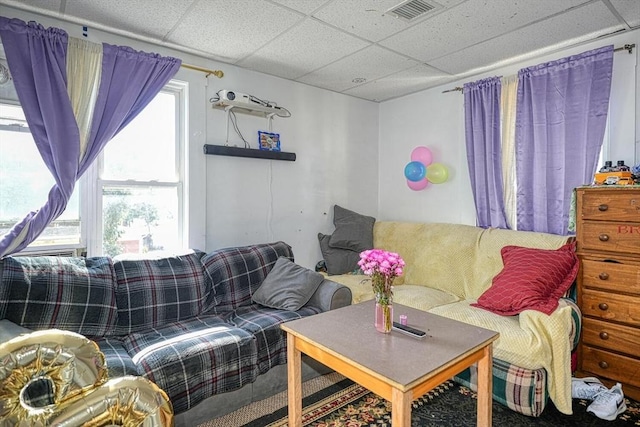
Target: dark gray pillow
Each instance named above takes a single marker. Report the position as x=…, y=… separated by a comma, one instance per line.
x=338, y=261
x=353, y=231
x=288, y=286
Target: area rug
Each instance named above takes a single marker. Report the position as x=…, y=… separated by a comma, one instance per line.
x=341, y=403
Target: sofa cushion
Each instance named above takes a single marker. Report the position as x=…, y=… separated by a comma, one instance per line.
x=338, y=261
x=234, y=274
x=530, y=340
x=532, y=279
x=421, y=297
x=194, y=359
x=353, y=230
x=74, y=294
x=288, y=286
x=154, y=292
x=116, y=357
x=264, y=324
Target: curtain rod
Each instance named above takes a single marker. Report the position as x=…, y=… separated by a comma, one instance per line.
x=217, y=73
x=627, y=47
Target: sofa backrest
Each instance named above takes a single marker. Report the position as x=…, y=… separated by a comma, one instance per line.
x=154, y=292
x=74, y=294
x=234, y=274
x=459, y=259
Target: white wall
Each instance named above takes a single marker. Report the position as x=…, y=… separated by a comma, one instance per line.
x=237, y=201
x=436, y=119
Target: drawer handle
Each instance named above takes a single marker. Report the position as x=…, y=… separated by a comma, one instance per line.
x=603, y=364
x=603, y=208
x=604, y=335
x=603, y=306
x=603, y=276
x=603, y=237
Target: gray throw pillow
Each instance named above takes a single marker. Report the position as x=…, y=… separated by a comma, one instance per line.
x=288, y=286
x=353, y=231
x=338, y=261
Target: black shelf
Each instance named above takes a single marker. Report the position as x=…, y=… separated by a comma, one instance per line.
x=223, y=150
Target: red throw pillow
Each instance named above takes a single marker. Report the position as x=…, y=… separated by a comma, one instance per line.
x=532, y=279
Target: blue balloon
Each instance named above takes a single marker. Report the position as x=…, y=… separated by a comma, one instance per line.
x=415, y=171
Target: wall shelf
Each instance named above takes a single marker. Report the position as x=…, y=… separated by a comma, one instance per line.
x=223, y=150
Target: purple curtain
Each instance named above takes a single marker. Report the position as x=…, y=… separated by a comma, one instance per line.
x=560, y=121
x=482, y=134
x=37, y=60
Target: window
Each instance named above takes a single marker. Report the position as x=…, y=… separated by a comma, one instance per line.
x=140, y=181
x=25, y=182
x=130, y=200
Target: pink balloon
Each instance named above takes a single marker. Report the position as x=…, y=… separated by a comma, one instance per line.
x=422, y=154
x=418, y=185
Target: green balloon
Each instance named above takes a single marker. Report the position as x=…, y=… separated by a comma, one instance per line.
x=437, y=173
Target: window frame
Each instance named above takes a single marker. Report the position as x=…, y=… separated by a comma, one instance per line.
x=90, y=186
x=94, y=183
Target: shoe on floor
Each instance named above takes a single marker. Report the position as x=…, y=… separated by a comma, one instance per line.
x=608, y=404
x=586, y=388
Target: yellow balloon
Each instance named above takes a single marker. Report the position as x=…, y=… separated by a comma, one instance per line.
x=437, y=173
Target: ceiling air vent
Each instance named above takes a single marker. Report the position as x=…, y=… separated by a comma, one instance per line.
x=411, y=10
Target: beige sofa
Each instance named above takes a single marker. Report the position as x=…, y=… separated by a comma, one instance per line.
x=448, y=266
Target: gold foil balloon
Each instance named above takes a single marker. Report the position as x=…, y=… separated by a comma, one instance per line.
x=40, y=370
x=59, y=378
x=127, y=401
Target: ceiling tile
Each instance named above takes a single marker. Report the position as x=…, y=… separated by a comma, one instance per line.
x=232, y=29
x=364, y=18
x=580, y=24
x=142, y=17
x=306, y=6
x=469, y=23
x=367, y=19
x=407, y=81
x=629, y=10
x=370, y=63
x=302, y=49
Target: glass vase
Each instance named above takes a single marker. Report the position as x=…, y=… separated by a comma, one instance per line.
x=384, y=314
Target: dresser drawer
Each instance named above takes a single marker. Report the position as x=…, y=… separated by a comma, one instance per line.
x=609, y=365
x=608, y=306
x=613, y=276
x=612, y=205
x=611, y=237
x=622, y=339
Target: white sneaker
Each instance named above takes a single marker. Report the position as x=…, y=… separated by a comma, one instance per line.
x=586, y=388
x=608, y=404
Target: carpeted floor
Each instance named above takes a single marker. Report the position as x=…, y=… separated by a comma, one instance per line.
x=332, y=401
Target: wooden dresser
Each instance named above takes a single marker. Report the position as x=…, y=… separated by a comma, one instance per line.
x=608, y=236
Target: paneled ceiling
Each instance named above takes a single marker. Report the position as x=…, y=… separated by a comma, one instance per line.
x=355, y=47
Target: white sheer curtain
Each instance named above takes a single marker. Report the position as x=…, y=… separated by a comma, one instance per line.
x=84, y=70
x=508, y=119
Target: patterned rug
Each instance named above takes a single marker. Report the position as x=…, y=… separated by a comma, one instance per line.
x=345, y=404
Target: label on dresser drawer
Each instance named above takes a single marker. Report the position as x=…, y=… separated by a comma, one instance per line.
x=611, y=205
x=611, y=237
x=608, y=306
x=610, y=336
x=609, y=365
x=615, y=276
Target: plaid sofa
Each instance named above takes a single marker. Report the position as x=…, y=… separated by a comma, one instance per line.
x=185, y=322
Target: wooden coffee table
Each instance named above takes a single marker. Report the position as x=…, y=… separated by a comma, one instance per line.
x=395, y=366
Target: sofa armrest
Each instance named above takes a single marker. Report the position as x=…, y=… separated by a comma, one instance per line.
x=330, y=295
x=576, y=322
